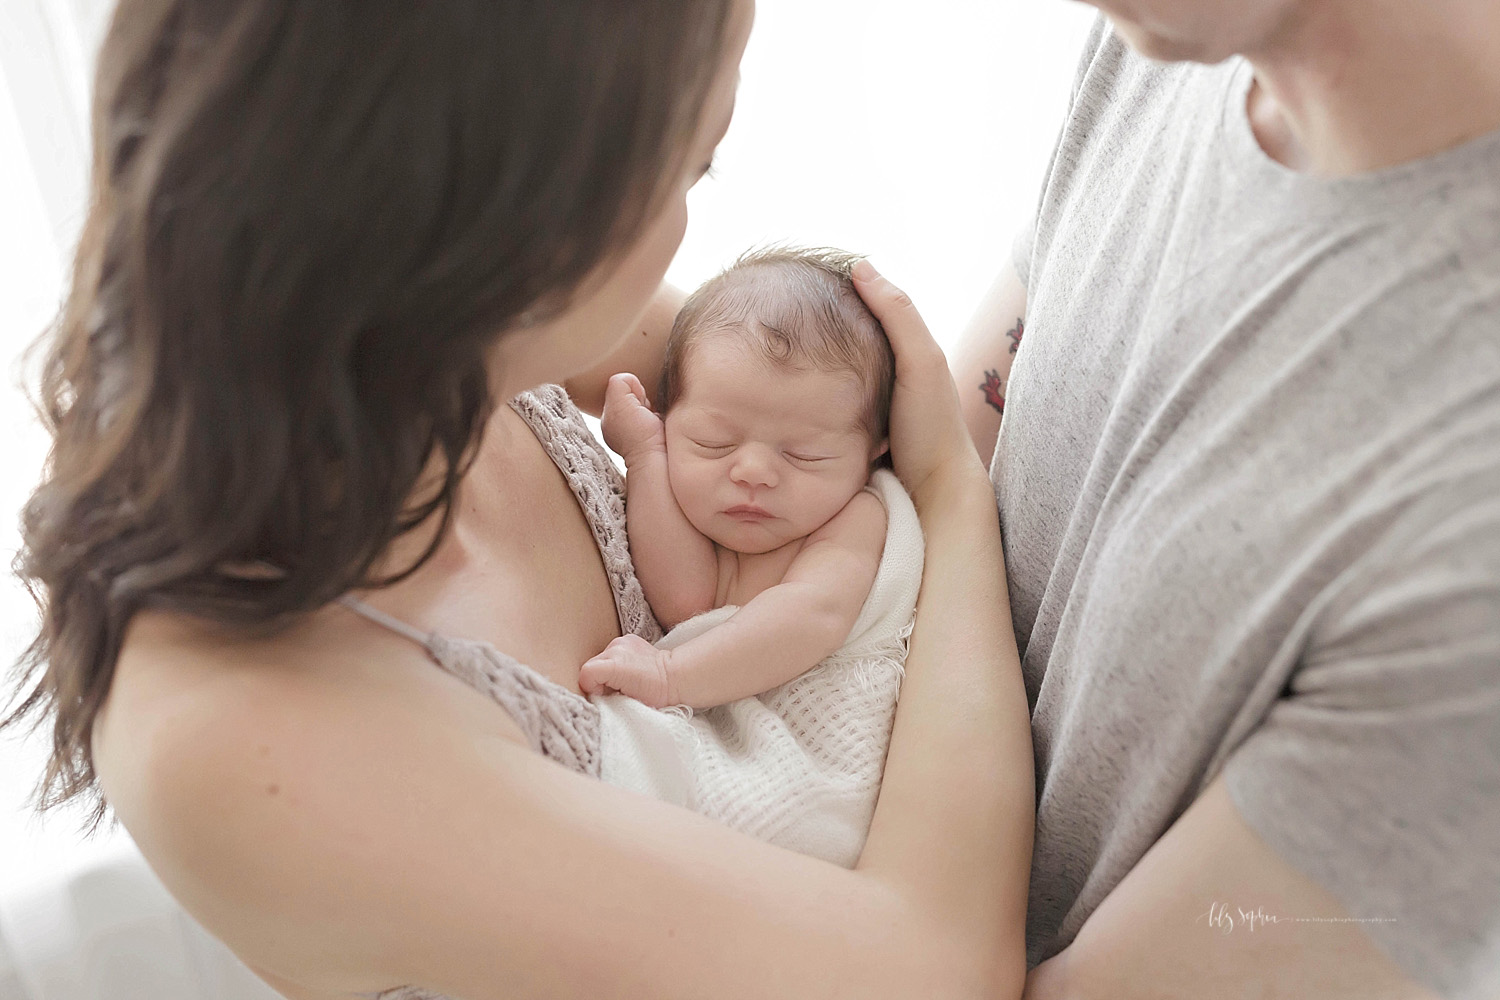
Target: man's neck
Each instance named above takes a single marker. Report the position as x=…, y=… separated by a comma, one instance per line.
x=1349, y=86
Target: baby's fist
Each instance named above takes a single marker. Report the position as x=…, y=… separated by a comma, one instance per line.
x=633, y=667
x=630, y=427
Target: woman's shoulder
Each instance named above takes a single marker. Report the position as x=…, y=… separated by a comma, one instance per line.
x=556, y=421
x=599, y=487
x=258, y=776
x=184, y=692
x=194, y=713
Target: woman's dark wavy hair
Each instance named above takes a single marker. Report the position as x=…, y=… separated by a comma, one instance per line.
x=310, y=221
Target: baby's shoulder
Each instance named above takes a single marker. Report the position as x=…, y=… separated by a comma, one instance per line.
x=860, y=524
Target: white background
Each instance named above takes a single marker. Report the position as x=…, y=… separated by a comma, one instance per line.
x=915, y=132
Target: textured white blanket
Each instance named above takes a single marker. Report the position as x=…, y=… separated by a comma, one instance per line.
x=799, y=765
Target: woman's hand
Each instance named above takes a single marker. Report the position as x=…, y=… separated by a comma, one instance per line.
x=630, y=426
x=930, y=445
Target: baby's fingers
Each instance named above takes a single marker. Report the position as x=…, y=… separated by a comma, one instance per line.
x=619, y=390
x=637, y=390
x=593, y=677
x=625, y=385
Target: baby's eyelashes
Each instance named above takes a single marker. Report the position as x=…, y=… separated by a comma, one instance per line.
x=719, y=449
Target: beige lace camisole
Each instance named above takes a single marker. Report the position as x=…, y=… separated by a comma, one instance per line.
x=561, y=724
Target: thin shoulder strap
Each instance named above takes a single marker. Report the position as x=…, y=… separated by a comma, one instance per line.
x=416, y=635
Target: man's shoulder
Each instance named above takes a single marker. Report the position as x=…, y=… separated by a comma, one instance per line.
x=1109, y=68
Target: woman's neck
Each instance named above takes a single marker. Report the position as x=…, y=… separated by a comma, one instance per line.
x=479, y=501
x=1346, y=87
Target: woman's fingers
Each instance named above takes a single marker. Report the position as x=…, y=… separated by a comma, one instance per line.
x=927, y=432
x=910, y=339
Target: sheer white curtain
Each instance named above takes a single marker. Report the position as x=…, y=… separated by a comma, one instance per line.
x=913, y=132
x=46, y=50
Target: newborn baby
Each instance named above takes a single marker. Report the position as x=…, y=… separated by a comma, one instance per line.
x=752, y=491
x=786, y=569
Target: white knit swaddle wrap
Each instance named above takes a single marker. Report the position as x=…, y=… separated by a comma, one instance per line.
x=800, y=765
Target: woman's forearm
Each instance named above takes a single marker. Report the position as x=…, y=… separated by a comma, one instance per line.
x=603, y=893
x=953, y=828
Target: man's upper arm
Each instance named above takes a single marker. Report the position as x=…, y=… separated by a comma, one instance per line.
x=1363, y=813
x=981, y=362
x=1211, y=911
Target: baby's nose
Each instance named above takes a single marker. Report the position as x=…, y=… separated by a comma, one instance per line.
x=753, y=467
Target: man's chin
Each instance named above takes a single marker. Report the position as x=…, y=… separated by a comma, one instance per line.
x=1165, y=49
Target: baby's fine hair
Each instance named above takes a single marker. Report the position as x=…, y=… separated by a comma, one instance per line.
x=799, y=307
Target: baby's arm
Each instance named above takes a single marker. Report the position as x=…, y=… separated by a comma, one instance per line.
x=674, y=562
x=781, y=633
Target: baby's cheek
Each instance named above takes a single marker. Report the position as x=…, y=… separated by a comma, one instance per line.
x=692, y=488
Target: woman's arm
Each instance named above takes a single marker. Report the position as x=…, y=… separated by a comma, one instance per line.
x=963, y=721
x=353, y=845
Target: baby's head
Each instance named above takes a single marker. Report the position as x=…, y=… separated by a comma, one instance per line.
x=776, y=392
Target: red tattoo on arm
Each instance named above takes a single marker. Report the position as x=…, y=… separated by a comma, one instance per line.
x=993, y=386
x=994, y=390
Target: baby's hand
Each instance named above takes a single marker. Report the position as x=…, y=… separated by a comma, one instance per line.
x=630, y=427
x=631, y=666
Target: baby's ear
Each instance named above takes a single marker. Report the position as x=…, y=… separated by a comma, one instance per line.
x=878, y=449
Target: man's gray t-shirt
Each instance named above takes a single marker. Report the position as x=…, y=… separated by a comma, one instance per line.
x=1249, y=477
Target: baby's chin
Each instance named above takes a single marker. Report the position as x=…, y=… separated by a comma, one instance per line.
x=750, y=542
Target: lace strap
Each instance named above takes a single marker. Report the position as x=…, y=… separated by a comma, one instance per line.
x=600, y=491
